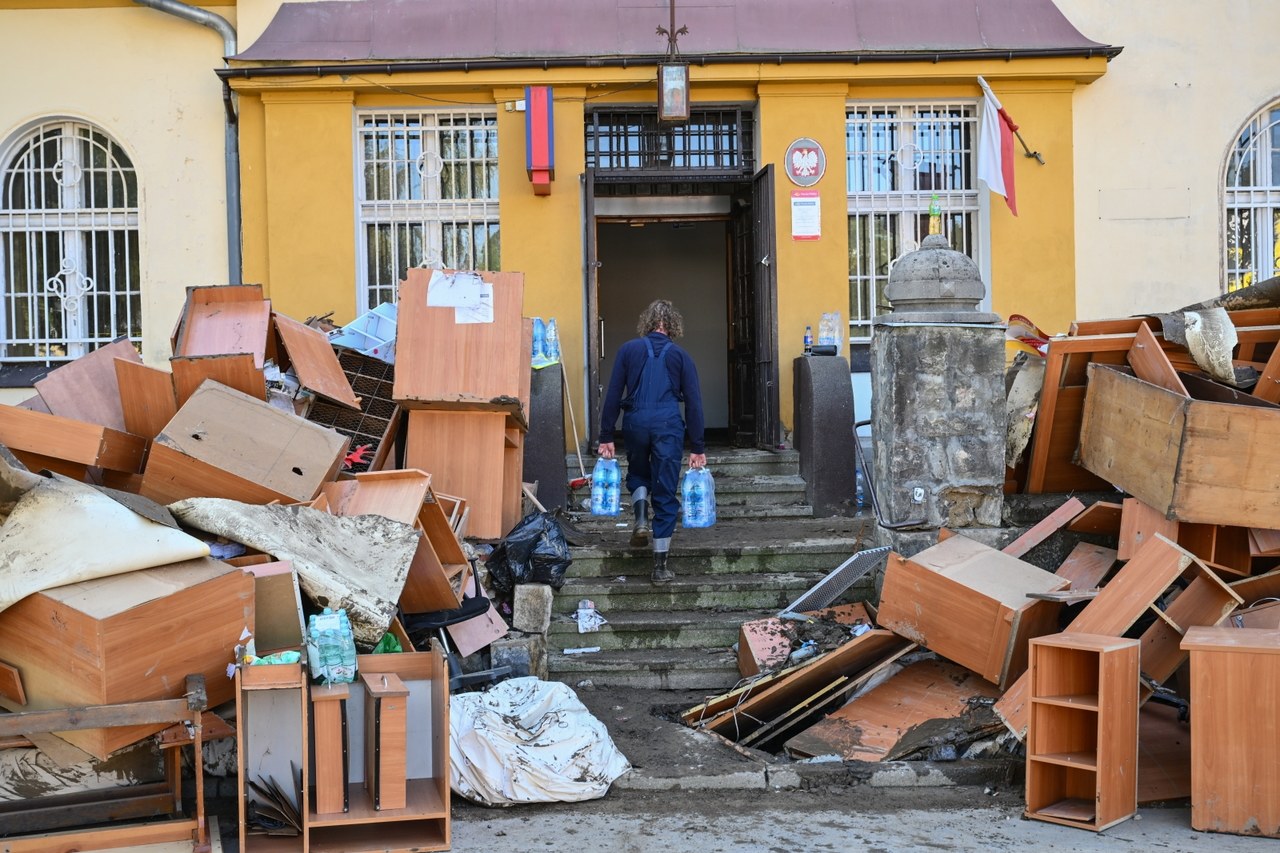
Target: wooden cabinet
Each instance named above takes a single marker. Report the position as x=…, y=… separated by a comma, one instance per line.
x=1235, y=737
x=1082, y=737
x=274, y=734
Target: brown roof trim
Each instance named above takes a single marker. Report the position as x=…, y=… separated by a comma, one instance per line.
x=418, y=66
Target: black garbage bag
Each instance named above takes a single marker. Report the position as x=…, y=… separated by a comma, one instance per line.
x=535, y=551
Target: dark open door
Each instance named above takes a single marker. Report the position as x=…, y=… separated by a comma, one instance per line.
x=753, y=338
x=591, y=287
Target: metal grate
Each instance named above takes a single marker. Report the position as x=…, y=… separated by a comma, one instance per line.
x=69, y=270
x=427, y=195
x=834, y=585
x=716, y=144
x=1251, y=225
x=372, y=381
x=900, y=156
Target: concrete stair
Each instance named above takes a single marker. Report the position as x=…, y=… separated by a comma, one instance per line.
x=765, y=550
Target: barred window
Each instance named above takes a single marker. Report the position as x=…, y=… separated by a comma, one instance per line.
x=1252, y=200
x=901, y=157
x=69, y=271
x=427, y=193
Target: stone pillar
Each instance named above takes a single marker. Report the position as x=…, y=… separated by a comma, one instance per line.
x=938, y=402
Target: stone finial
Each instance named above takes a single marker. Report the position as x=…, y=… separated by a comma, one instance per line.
x=936, y=284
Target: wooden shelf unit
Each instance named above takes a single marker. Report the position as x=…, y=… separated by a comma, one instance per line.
x=271, y=741
x=1082, y=737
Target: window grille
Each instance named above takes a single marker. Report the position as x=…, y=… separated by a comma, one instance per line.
x=427, y=193
x=1251, y=238
x=69, y=270
x=632, y=145
x=899, y=156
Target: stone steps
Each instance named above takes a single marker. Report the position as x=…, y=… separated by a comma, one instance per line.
x=671, y=630
x=634, y=592
x=661, y=669
x=728, y=462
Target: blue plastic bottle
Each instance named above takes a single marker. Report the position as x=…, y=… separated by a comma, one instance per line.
x=599, y=488
x=539, y=342
x=613, y=497
x=553, y=341
x=694, y=507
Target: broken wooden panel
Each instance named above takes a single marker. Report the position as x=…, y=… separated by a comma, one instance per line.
x=743, y=711
x=466, y=455
x=395, y=494
x=236, y=371
x=1138, y=523
x=224, y=320
x=146, y=397
x=1254, y=589
x=762, y=645
x=1102, y=518
x=1087, y=565
x=250, y=449
x=1235, y=677
x=1259, y=616
x=872, y=725
x=1045, y=528
x=1051, y=462
x=1264, y=542
x=1182, y=457
x=72, y=441
x=1225, y=549
x=11, y=684
x=1206, y=601
x=968, y=603
x=128, y=638
x=313, y=360
x=441, y=363
x=1268, y=387
x=1151, y=364
x=472, y=635
x=86, y=389
x=1132, y=592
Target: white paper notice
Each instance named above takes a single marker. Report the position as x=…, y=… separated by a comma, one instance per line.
x=806, y=215
x=454, y=290
x=482, y=312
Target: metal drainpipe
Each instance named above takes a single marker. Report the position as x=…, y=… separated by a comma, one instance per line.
x=232, y=144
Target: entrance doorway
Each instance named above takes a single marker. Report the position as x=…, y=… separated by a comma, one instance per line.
x=686, y=261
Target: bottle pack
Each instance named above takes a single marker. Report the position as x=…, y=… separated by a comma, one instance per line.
x=606, y=484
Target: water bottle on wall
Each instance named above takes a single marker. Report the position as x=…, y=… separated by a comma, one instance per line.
x=808, y=340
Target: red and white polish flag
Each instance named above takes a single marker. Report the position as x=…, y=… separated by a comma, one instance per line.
x=995, y=147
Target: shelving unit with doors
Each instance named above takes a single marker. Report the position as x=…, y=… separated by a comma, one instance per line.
x=1082, y=736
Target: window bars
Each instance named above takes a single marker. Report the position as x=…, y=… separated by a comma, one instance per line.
x=69, y=263
x=1251, y=198
x=427, y=195
x=899, y=157
x=631, y=144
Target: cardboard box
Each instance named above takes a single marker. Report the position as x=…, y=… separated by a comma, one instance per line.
x=129, y=638
x=224, y=444
x=1193, y=460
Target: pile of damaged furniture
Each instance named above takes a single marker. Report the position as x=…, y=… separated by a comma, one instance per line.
x=1140, y=661
x=172, y=534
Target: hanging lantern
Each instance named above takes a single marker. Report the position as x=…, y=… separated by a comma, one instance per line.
x=673, y=92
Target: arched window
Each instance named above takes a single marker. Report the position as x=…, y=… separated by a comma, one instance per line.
x=69, y=276
x=1252, y=201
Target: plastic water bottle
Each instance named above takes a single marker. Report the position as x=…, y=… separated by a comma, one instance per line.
x=613, y=499
x=827, y=330
x=860, y=495
x=348, y=652
x=694, y=497
x=599, y=488
x=808, y=340
x=553, y=341
x=539, y=341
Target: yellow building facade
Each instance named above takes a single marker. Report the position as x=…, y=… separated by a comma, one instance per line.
x=608, y=237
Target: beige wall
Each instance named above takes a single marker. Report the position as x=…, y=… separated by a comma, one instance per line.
x=147, y=79
x=1151, y=139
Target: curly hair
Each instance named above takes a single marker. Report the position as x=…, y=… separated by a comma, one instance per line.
x=661, y=313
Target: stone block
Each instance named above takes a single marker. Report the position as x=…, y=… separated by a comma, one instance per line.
x=532, y=608
x=526, y=654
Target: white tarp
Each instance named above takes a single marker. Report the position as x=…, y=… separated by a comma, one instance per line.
x=63, y=532
x=529, y=741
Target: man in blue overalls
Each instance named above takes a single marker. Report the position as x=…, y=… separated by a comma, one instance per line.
x=651, y=378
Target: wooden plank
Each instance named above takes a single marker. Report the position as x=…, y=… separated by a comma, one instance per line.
x=397, y=494
x=1112, y=612
x=1087, y=565
x=762, y=702
x=1102, y=518
x=1206, y=601
x=1047, y=526
x=234, y=371
x=1258, y=587
x=1138, y=523
x=171, y=476
x=314, y=361
x=132, y=836
x=1150, y=363
x=69, y=440
x=224, y=320
x=86, y=389
x=146, y=397
x=11, y=684
x=959, y=598
x=1164, y=755
x=867, y=728
x=1264, y=542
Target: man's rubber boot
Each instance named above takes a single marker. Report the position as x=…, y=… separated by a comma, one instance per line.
x=640, y=529
x=661, y=574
